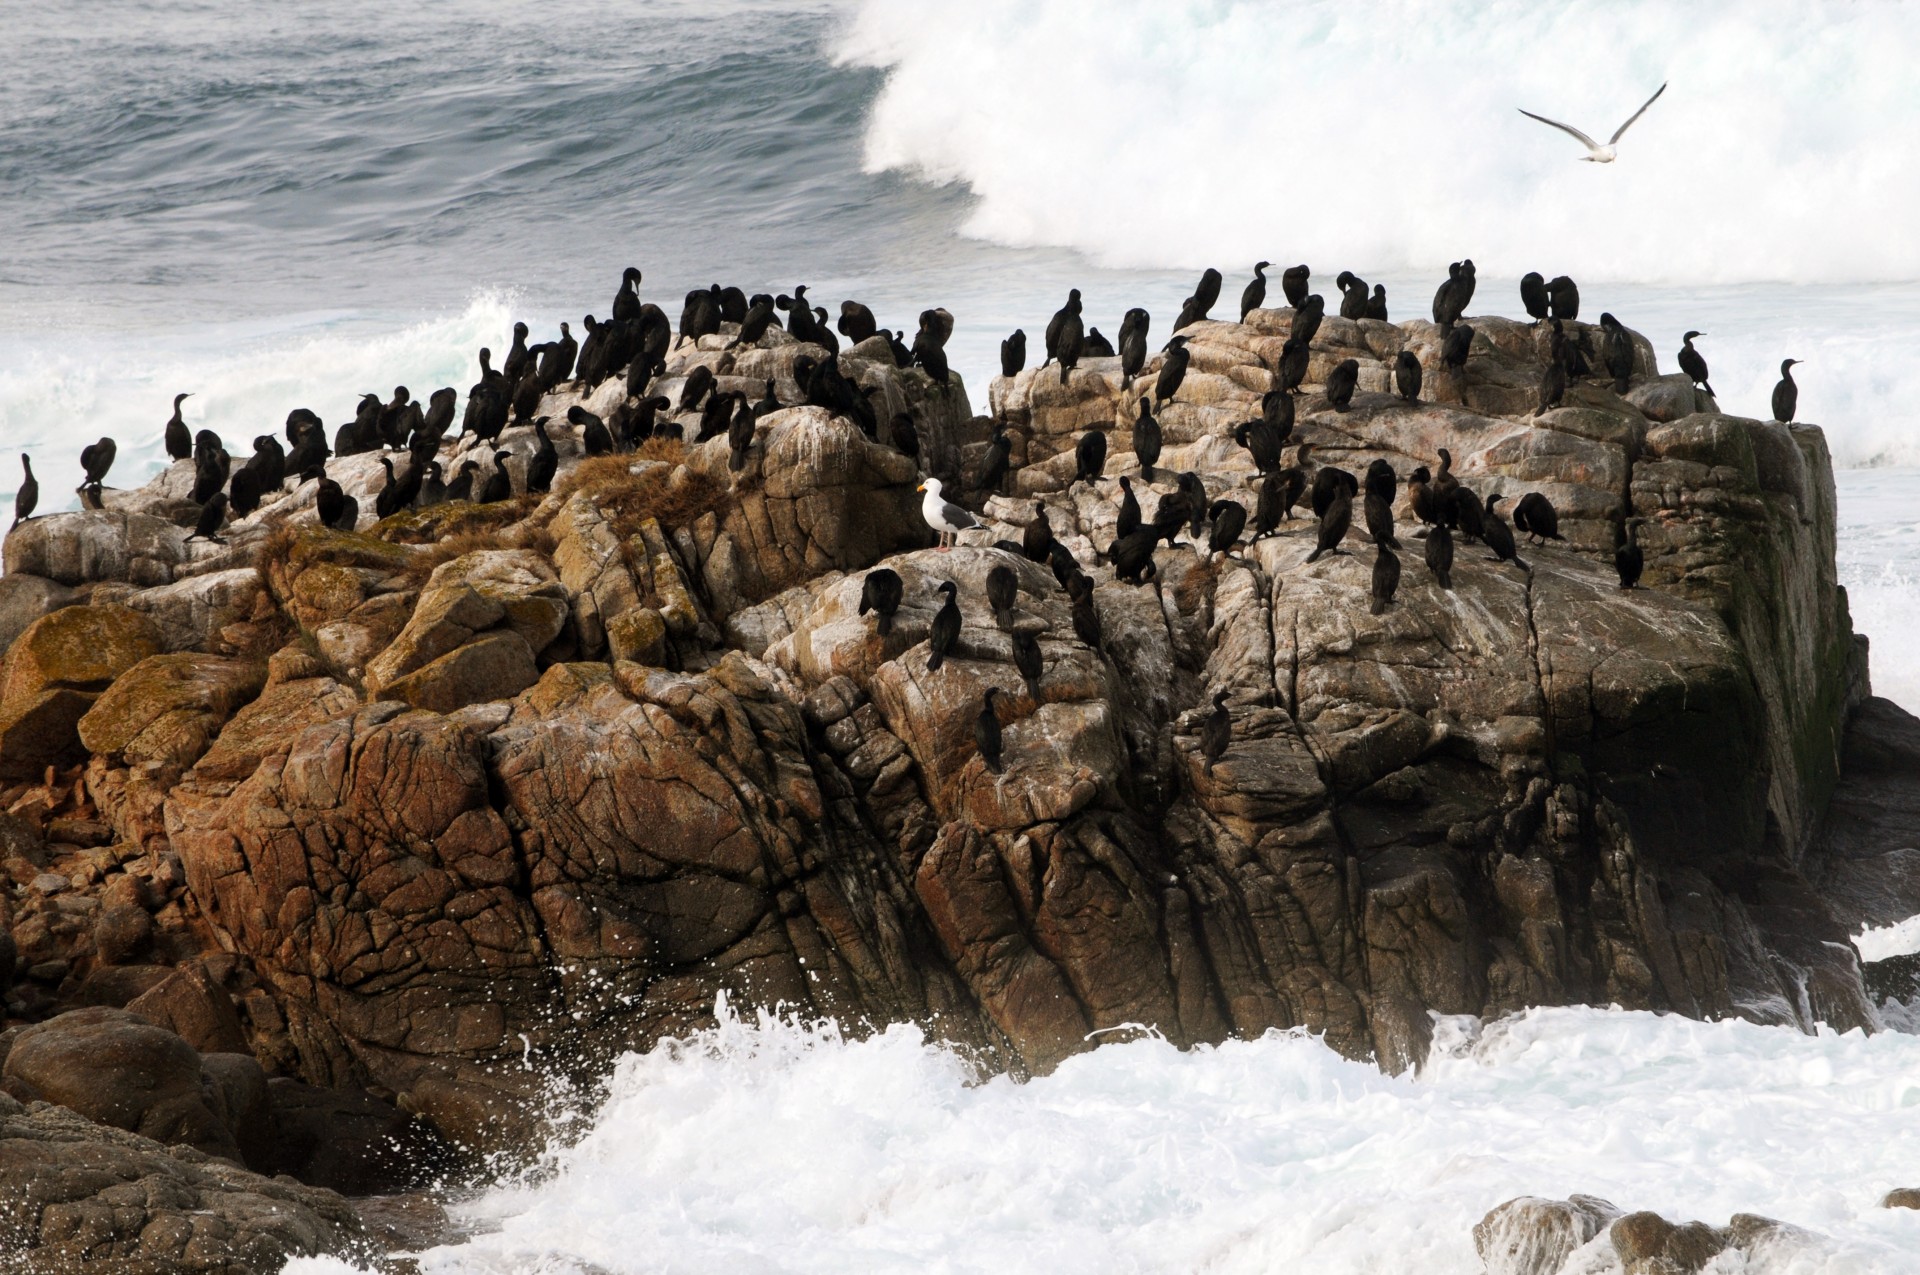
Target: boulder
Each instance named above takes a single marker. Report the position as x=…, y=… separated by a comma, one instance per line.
x=513, y=590
x=53, y=673
x=1905, y=1197
x=201, y=612
x=351, y=1142
x=102, y=544
x=114, y=1067
x=167, y=709
x=194, y=1007
x=1532, y=1236
x=77, y=1196
x=492, y=666
x=24, y=599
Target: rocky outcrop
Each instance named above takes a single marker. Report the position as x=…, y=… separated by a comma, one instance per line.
x=1531, y=1236
x=432, y=809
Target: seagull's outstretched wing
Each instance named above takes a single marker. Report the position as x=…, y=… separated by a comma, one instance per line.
x=1618, y=132
x=1586, y=141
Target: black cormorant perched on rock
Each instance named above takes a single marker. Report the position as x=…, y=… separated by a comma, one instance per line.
x=904, y=436
x=1536, y=516
x=95, y=460
x=1013, y=353
x=769, y=402
x=499, y=484
x=243, y=492
x=1533, y=294
x=1216, y=732
x=1127, y=521
x=739, y=440
x=1553, y=373
x=993, y=462
x=1406, y=376
x=1207, y=291
x=1693, y=363
x=1132, y=556
x=931, y=355
x=556, y=365
x=1036, y=542
x=1307, y=317
x=1459, y=344
x=881, y=594
x=1448, y=303
x=1444, y=484
x=1262, y=442
x=1377, y=304
x=754, y=326
x=526, y=396
x=1268, y=506
x=595, y=438
x=715, y=416
x=1254, y=295
x=461, y=488
x=1195, y=492
x=1003, y=589
x=1465, y=514
x=1293, y=285
x=387, y=502
x=1421, y=498
x=178, y=440
x=1292, y=369
x=699, y=317
x=1328, y=482
x=1440, y=555
x=856, y=322
x=1334, y=522
x=1132, y=345
x=519, y=359
x=1628, y=558
x=1499, y=536
x=1386, y=578
x=1097, y=346
x=1296, y=479
x=1563, y=298
x=545, y=461
x=328, y=500
x=28, y=496
x=1229, y=519
x=211, y=466
x=1378, y=509
x=1341, y=382
x=1146, y=440
x=699, y=384
x=626, y=302
x=1029, y=661
x=1617, y=352
x=945, y=629
x=1086, y=616
x=1070, y=343
x=1058, y=323
x=1063, y=564
x=986, y=730
x=268, y=463
x=1353, y=295
x=1276, y=410
x=433, y=488
x=1090, y=456
x=212, y=513
x=1173, y=370
x=1786, y=395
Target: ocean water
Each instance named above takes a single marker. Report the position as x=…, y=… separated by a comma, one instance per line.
x=275, y=206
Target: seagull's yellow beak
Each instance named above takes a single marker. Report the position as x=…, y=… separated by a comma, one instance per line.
x=921, y=487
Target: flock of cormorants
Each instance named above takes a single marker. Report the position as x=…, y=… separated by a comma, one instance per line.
x=632, y=344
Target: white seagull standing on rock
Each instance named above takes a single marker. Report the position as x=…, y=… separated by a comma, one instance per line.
x=943, y=516
x=1596, y=153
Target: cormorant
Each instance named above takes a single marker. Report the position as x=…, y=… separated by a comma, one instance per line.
x=1450, y=301
x=1499, y=536
x=1454, y=350
x=993, y=463
x=1330, y=481
x=881, y=594
x=1003, y=589
x=1058, y=323
x=1306, y=318
x=95, y=460
x=769, y=402
x=856, y=322
x=556, y=365
x=1353, y=295
x=1553, y=374
x=1086, y=616
x=1533, y=294
x=1563, y=298
x=944, y=517
x=461, y=488
x=499, y=484
x=207, y=526
x=699, y=383
x=1207, y=291
x=1097, y=345
x=1132, y=344
x=1465, y=514
x=1378, y=508
x=904, y=437
x=1628, y=559
x=945, y=629
x=1028, y=660
x=739, y=439
x=1536, y=516
x=902, y=356
x=387, y=502
x=1406, y=376
x=931, y=355
x=1173, y=370
x=1013, y=353
x=1276, y=409
x=1440, y=555
x=626, y=302
x=1295, y=480
x=1386, y=578
x=1132, y=556
x=1146, y=439
x=1377, y=304
x=595, y=438
x=1617, y=352
x=211, y=466
x=1341, y=383
x=1090, y=456
x=1216, y=732
x=1444, y=484
x=545, y=461
x=699, y=317
x=1693, y=363
x=1229, y=518
x=986, y=731
x=1070, y=342
x=179, y=441
x=1421, y=498
x=1333, y=524
x=328, y=500
x=754, y=326
x=1127, y=521
x=1292, y=369
x=1786, y=395
x=1195, y=492
x=1036, y=542
x=1254, y=295
x=28, y=496
x=433, y=488
x=1262, y=443
x=1293, y=284
x=1267, y=506
x=268, y=463
x=519, y=358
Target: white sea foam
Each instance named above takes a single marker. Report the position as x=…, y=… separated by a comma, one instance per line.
x=1899, y=939
x=1158, y=132
x=765, y=1146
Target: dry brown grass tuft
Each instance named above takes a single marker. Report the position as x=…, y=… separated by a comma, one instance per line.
x=519, y=535
x=629, y=499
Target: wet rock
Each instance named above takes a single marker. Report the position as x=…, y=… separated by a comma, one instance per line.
x=351, y=1142
x=1532, y=1236
x=1905, y=1197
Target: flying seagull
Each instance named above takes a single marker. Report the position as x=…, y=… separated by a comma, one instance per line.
x=946, y=518
x=1596, y=153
